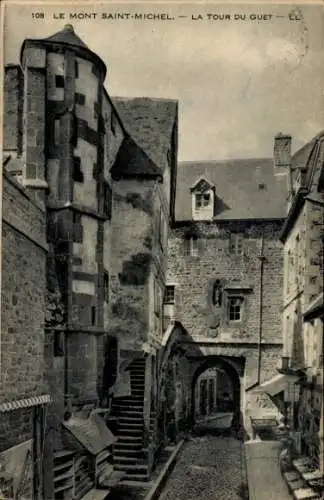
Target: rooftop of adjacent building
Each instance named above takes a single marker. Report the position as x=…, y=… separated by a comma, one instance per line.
x=149, y=123
x=244, y=188
x=300, y=159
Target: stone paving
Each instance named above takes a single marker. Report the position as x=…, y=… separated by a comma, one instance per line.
x=210, y=467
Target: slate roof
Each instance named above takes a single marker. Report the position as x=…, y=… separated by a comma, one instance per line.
x=149, y=121
x=67, y=35
x=244, y=189
x=92, y=433
x=132, y=160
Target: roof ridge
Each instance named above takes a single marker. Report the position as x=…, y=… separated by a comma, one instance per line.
x=148, y=98
x=225, y=160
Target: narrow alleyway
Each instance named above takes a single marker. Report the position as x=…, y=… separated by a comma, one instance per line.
x=211, y=467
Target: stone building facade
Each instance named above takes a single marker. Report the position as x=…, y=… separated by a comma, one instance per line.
x=24, y=394
x=302, y=236
x=225, y=266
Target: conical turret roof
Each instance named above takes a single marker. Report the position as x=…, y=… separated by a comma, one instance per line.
x=67, y=35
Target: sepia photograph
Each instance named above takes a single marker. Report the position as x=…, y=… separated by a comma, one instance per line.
x=162, y=235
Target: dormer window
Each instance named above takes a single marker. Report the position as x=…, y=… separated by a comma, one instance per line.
x=203, y=198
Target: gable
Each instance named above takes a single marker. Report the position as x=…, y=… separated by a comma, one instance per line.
x=202, y=185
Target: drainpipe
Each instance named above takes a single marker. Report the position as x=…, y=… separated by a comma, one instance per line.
x=262, y=259
x=66, y=366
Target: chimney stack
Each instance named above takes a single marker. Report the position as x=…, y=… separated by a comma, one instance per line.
x=282, y=151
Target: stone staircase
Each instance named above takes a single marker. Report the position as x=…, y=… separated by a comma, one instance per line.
x=305, y=481
x=130, y=456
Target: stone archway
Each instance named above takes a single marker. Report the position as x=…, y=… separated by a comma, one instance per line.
x=229, y=368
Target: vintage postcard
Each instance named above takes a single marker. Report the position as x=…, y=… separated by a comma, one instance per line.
x=162, y=251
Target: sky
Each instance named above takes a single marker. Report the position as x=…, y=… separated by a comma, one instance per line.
x=238, y=82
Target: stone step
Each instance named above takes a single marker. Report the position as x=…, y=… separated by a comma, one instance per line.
x=133, y=398
x=137, y=385
x=132, y=468
x=132, y=479
x=130, y=405
x=123, y=438
x=131, y=418
x=128, y=448
x=137, y=366
x=120, y=459
x=125, y=431
x=129, y=453
x=129, y=424
x=130, y=413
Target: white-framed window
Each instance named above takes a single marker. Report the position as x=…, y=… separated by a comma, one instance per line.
x=235, y=308
x=202, y=200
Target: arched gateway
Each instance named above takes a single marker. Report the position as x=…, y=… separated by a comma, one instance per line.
x=232, y=367
x=183, y=359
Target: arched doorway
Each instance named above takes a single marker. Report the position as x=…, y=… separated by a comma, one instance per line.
x=232, y=390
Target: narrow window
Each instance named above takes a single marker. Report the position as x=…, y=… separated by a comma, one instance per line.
x=79, y=99
x=93, y=315
x=191, y=246
x=194, y=248
x=58, y=344
x=236, y=244
x=76, y=218
x=235, y=308
x=157, y=301
x=95, y=171
x=57, y=132
x=76, y=69
x=77, y=228
x=169, y=294
x=107, y=200
x=106, y=286
x=161, y=229
x=59, y=81
x=77, y=175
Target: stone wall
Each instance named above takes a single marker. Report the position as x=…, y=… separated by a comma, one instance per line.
x=23, y=294
x=241, y=274
x=130, y=262
x=13, y=103
x=23, y=289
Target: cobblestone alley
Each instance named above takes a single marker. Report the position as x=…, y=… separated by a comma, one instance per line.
x=209, y=467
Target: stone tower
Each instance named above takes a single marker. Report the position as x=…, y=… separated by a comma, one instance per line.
x=63, y=147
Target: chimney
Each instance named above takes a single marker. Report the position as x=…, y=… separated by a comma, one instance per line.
x=282, y=151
